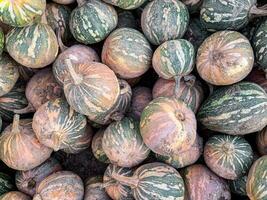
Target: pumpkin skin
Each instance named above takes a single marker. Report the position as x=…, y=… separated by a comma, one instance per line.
x=228, y=156
x=92, y=21
x=261, y=141
x=64, y=1
x=164, y=20
x=238, y=186
x=258, y=77
x=123, y=143
x=2, y=41
x=94, y=190
x=33, y=46
x=9, y=73
x=27, y=181
x=6, y=183
x=244, y=102
x=256, y=184
x=21, y=13
x=168, y=126
x=127, y=52
x=224, y=58
x=60, y=185
x=14, y=195
x=59, y=127
x=97, y=148
x=201, y=183
x=19, y=137
x=126, y=4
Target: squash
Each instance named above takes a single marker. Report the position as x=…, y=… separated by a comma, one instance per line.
x=60, y=185
x=168, y=126
x=164, y=20
x=59, y=127
x=14, y=195
x=127, y=52
x=126, y=19
x=97, y=148
x=92, y=21
x=6, y=183
x=238, y=186
x=123, y=143
x=126, y=4
x=261, y=141
x=94, y=189
x=27, y=181
x=228, y=156
x=258, y=76
x=33, y=46
x=2, y=41
x=256, y=184
x=238, y=109
x=21, y=13
x=224, y=58
x=201, y=183
x=19, y=137
x=64, y=2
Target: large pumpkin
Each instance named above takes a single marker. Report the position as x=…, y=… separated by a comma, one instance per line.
x=94, y=189
x=14, y=195
x=224, y=58
x=6, y=183
x=261, y=141
x=2, y=41
x=126, y=4
x=97, y=147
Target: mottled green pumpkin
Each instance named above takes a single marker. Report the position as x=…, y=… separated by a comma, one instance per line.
x=33, y=46
x=2, y=41
x=97, y=148
x=237, y=109
x=164, y=20
x=127, y=52
x=238, y=186
x=256, y=183
x=126, y=4
x=94, y=189
x=14, y=195
x=21, y=13
x=261, y=141
x=92, y=21
x=6, y=183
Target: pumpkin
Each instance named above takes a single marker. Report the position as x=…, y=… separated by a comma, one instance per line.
x=60, y=185
x=258, y=76
x=26, y=73
x=193, y=5
x=126, y=4
x=94, y=189
x=33, y=46
x=164, y=20
x=126, y=19
x=224, y=58
x=6, y=183
x=261, y=141
x=168, y=126
x=201, y=183
x=238, y=109
x=238, y=186
x=97, y=148
x=190, y=91
x=59, y=127
x=115, y=189
x=27, y=181
x=154, y=181
x=64, y=1
x=2, y=41
x=92, y=21
x=123, y=143
x=14, y=195
x=127, y=52
x=228, y=156
x=21, y=13
x=9, y=73
x=256, y=184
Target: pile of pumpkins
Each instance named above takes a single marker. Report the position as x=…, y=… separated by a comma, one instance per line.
x=81, y=76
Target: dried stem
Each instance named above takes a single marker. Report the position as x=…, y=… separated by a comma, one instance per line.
x=177, y=86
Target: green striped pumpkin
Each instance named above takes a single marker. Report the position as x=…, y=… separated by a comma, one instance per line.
x=228, y=156
x=261, y=141
x=94, y=190
x=21, y=13
x=97, y=148
x=2, y=41
x=14, y=195
x=237, y=109
x=33, y=46
x=6, y=183
x=123, y=143
x=256, y=183
x=126, y=4
x=92, y=21
x=238, y=186
x=164, y=20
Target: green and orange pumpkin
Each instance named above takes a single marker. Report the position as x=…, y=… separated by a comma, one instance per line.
x=14, y=195
x=97, y=148
x=94, y=189
x=261, y=141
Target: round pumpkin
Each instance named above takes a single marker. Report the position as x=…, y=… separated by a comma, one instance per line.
x=2, y=41
x=6, y=183
x=64, y=1
x=228, y=156
x=127, y=52
x=59, y=127
x=14, y=195
x=238, y=186
x=126, y=19
x=33, y=46
x=261, y=141
x=126, y=4
x=258, y=76
x=21, y=13
x=27, y=181
x=224, y=58
x=164, y=20
x=168, y=126
x=60, y=185
x=19, y=137
x=97, y=148
x=92, y=21
x=94, y=189
x=256, y=184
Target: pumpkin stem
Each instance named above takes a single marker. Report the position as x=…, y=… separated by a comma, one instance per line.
x=177, y=86
x=44, y=19
x=59, y=40
x=75, y=77
x=132, y=182
x=15, y=124
x=28, y=109
x=117, y=116
x=179, y=115
x=190, y=80
x=257, y=12
x=81, y=2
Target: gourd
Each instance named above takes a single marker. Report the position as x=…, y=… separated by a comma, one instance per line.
x=261, y=141
x=27, y=181
x=228, y=156
x=123, y=144
x=258, y=76
x=164, y=20
x=97, y=148
x=59, y=127
x=92, y=21
x=14, y=195
x=238, y=109
x=19, y=137
x=168, y=126
x=126, y=4
x=21, y=13
x=64, y=1
x=127, y=52
x=2, y=41
x=126, y=19
x=6, y=183
x=238, y=186
x=94, y=189
x=224, y=58
x=60, y=185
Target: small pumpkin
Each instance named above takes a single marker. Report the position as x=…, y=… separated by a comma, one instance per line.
x=94, y=189
x=224, y=58
x=60, y=185
x=59, y=127
x=14, y=195
x=6, y=183
x=126, y=19
x=64, y=2
x=261, y=141
x=2, y=41
x=21, y=13
x=126, y=4
x=238, y=186
x=97, y=148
